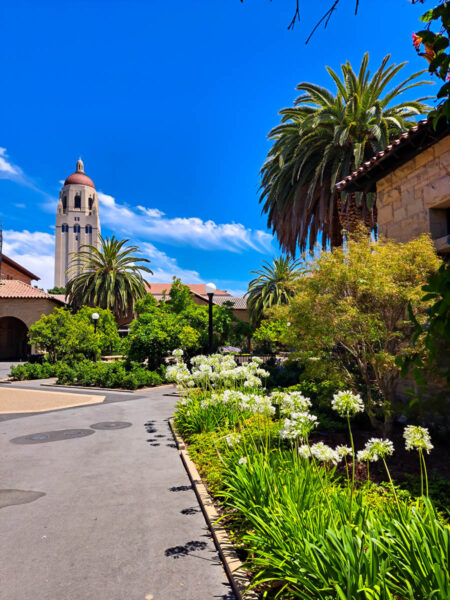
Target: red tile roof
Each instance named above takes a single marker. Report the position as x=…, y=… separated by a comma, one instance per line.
x=196, y=288
x=238, y=302
x=13, y=288
x=79, y=179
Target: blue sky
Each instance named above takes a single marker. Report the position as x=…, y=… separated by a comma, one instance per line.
x=169, y=104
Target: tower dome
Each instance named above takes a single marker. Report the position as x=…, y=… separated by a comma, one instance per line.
x=79, y=177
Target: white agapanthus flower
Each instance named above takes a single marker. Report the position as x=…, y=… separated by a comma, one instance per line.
x=417, y=438
x=298, y=426
x=304, y=451
x=178, y=352
x=324, y=453
x=378, y=448
x=343, y=451
x=242, y=460
x=363, y=455
x=347, y=404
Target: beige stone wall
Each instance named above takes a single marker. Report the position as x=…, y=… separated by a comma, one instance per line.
x=27, y=310
x=405, y=196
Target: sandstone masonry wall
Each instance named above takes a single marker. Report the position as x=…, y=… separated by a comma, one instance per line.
x=405, y=196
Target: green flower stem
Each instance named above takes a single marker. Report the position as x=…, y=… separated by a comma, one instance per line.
x=425, y=471
x=421, y=473
x=392, y=484
x=353, y=467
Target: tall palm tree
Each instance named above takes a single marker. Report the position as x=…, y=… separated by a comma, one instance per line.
x=109, y=277
x=272, y=286
x=322, y=139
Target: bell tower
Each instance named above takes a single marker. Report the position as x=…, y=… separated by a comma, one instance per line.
x=77, y=220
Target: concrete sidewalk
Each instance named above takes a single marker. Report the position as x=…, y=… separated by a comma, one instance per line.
x=118, y=519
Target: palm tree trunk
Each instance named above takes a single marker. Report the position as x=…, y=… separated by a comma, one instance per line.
x=351, y=215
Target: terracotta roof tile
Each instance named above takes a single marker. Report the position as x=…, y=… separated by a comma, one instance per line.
x=13, y=288
x=196, y=288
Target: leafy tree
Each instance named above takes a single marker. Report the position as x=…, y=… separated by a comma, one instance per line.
x=272, y=286
x=270, y=334
x=157, y=331
x=57, y=290
x=356, y=302
x=109, y=277
x=435, y=51
x=321, y=139
x=178, y=322
x=70, y=337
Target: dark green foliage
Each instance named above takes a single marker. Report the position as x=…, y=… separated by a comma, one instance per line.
x=437, y=53
x=434, y=334
x=57, y=290
x=118, y=374
x=25, y=371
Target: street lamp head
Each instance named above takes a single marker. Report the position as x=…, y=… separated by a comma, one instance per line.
x=95, y=316
x=210, y=288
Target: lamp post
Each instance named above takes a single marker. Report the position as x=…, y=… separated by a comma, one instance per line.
x=210, y=289
x=95, y=318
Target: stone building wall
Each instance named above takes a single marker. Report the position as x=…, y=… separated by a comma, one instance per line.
x=413, y=199
x=28, y=310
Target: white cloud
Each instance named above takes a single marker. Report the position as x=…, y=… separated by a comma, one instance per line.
x=149, y=224
x=154, y=213
x=33, y=250
x=7, y=169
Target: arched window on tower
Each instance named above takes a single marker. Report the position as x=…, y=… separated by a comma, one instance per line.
x=88, y=228
x=77, y=201
x=65, y=228
x=76, y=229
x=91, y=203
x=64, y=202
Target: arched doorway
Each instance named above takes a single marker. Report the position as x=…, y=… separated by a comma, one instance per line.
x=13, y=338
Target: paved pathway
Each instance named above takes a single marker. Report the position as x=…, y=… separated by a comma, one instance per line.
x=5, y=367
x=117, y=520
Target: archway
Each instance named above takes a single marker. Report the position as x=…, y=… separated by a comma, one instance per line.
x=13, y=338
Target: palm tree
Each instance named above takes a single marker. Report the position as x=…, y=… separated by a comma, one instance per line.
x=272, y=286
x=107, y=277
x=322, y=139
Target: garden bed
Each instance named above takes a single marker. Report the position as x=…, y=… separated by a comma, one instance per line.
x=302, y=515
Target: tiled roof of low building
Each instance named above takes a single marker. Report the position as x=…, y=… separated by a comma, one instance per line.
x=13, y=288
x=238, y=302
x=404, y=148
x=196, y=288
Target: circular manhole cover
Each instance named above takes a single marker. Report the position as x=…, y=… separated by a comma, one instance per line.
x=52, y=436
x=111, y=425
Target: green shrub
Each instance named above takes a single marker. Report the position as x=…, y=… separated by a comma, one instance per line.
x=25, y=371
x=119, y=374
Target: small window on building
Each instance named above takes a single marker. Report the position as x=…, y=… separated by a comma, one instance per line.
x=91, y=203
x=88, y=228
x=77, y=201
x=65, y=228
x=76, y=218
x=76, y=229
x=64, y=202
